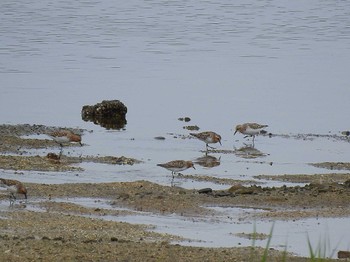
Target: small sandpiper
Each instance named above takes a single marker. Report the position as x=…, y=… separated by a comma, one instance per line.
x=208, y=137
x=13, y=187
x=250, y=129
x=176, y=166
x=65, y=136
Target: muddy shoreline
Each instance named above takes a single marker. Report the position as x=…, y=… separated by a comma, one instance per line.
x=57, y=230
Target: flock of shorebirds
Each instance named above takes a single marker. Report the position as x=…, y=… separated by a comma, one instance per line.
x=15, y=187
x=209, y=137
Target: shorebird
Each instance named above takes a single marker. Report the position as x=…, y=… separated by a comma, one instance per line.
x=176, y=166
x=13, y=187
x=250, y=129
x=208, y=137
x=65, y=136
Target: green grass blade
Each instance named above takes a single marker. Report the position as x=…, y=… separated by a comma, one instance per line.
x=266, y=251
x=311, y=251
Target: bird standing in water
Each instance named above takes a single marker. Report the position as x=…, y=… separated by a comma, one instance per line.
x=250, y=129
x=65, y=136
x=177, y=166
x=208, y=137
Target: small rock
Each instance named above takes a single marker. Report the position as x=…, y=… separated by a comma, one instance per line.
x=53, y=156
x=191, y=128
x=159, y=138
x=186, y=119
x=109, y=114
x=343, y=254
x=205, y=190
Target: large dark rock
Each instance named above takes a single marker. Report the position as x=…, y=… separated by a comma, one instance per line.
x=109, y=114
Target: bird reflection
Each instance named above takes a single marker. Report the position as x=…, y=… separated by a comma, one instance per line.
x=208, y=161
x=249, y=152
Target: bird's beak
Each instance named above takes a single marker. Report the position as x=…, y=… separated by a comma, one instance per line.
x=220, y=142
x=194, y=167
x=235, y=132
x=25, y=196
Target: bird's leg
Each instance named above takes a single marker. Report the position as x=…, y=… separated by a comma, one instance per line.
x=210, y=147
x=61, y=151
x=172, y=180
x=12, y=199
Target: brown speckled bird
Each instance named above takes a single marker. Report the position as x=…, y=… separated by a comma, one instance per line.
x=177, y=166
x=65, y=136
x=250, y=129
x=208, y=137
x=13, y=187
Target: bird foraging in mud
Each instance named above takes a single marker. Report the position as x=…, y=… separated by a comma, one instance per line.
x=250, y=129
x=176, y=166
x=208, y=137
x=13, y=187
x=65, y=136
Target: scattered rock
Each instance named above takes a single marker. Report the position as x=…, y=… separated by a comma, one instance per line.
x=205, y=191
x=343, y=254
x=191, y=128
x=109, y=114
x=159, y=138
x=185, y=119
x=53, y=156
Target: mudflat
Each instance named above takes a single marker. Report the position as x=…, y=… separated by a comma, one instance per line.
x=50, y=227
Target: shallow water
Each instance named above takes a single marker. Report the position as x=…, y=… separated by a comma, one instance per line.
x=221, y=230
x=283, y=64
